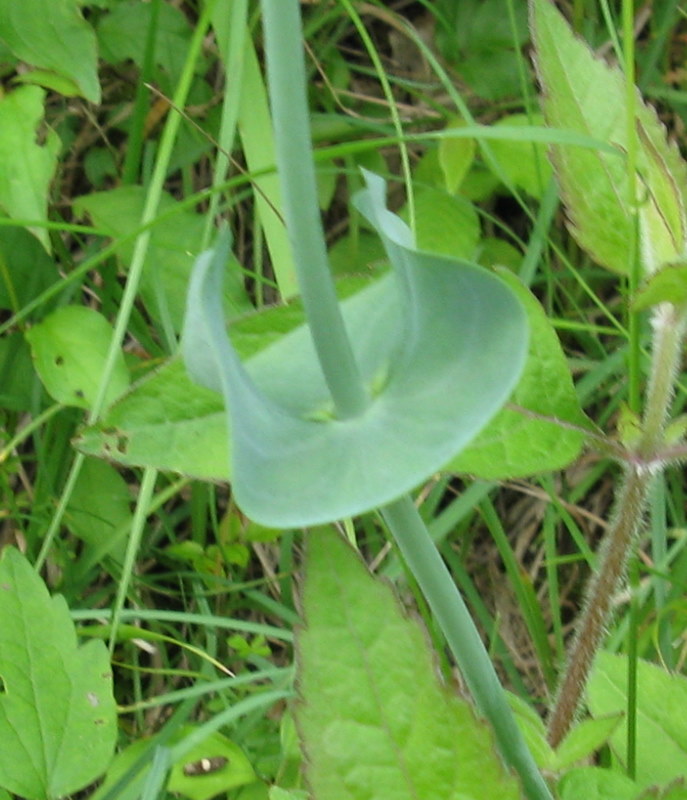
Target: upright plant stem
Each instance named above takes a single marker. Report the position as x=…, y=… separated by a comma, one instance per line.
x=643, y=464
x=455, y=621
x=287, y=82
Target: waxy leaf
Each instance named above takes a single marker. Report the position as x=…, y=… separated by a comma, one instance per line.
x=440, y=345
x=374, y=717
x=661, y=721
x=58, y=721
x=55, y=36
x=583, y=94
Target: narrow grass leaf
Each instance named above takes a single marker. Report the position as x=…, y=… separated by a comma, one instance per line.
x=530, y=436
x=440, y=347
x=661, y=721
x=28, y=166
x=54, y=36
x=374, y=717
x=58, y=722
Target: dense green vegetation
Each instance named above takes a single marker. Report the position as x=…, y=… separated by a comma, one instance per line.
x=489, y=387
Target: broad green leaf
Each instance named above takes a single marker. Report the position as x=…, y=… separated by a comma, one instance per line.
x=69, y=348
x=677, y=790
x=583, y=94
x=661, y=721
x=174, y=243
x=668, y=285
x=530, y=435
x=440, y=345
x=28, y=166
x=595, y=783
x=236, y=771
x=53, y=35
x=525, y=163
x=25, y=268
x=375, y=719
x=99, y=505
x=17, y=375
x=168, y=423
x=58, y=721
x=445, y=224
x=455, y=157
x=122, y=36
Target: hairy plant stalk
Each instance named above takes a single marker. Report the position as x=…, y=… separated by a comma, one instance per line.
x=644, y=462
x=615, y=550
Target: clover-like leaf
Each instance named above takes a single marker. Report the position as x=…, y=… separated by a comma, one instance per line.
x=440, y=344
x=57, y=713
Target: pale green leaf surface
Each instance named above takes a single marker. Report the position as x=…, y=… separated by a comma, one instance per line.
x=584, y=739
x=55, y=36
x=374, y=718
x=519, y=442
x=583, y=94
x=595, y=783
x=661, y=718
x=27, y=166
x=175, y=241
x=69, y=348
x=58, y=722
x=440, y=348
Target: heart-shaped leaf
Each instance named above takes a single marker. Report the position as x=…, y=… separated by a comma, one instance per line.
x=440, y=345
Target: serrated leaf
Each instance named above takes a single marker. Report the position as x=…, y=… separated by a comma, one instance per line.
x=374, y=718
x=661, y=725
x=53, y=35
x=57, y=713
x=27, y=166
x=528, y=440
x=69, y=348
x=440, y=348
x=583, y=94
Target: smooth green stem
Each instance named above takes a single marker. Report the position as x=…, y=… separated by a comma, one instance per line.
x=287, y=81
x=434, y=579
x=143, y=503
